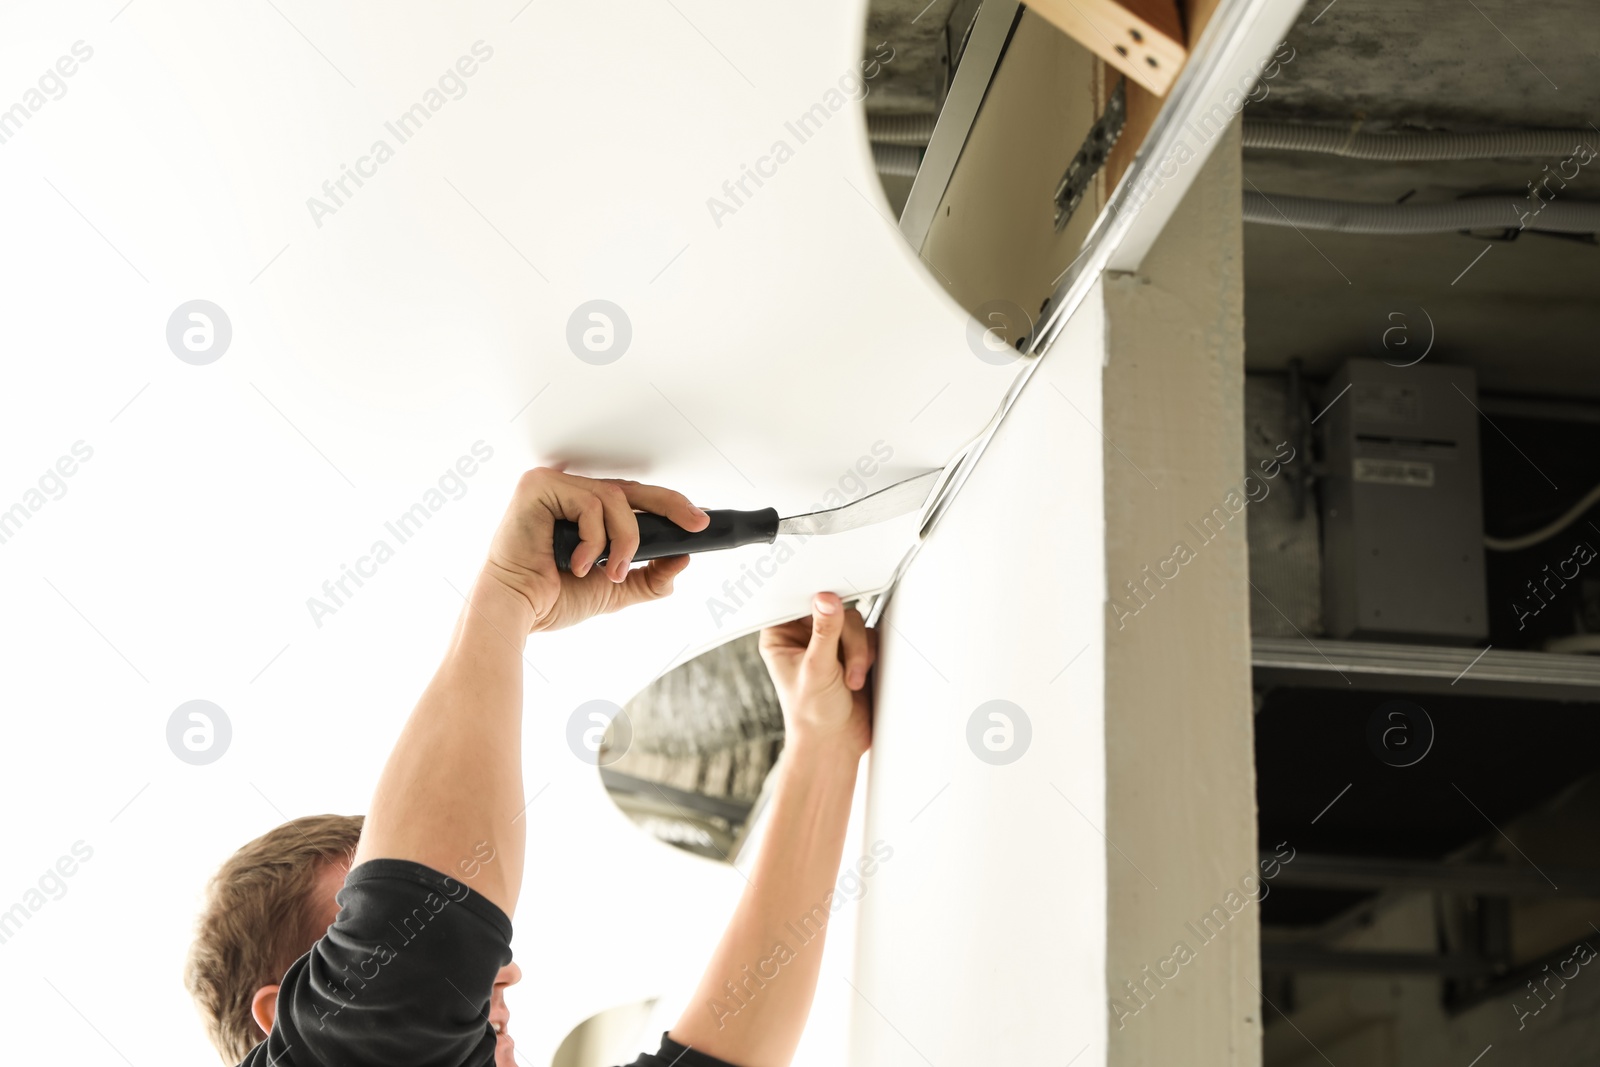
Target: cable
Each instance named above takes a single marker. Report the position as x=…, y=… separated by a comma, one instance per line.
x=1414, y=146
x=1517, y=544
x=1490, y=212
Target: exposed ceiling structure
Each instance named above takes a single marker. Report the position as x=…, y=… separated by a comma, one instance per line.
x=1524, y=315
x=1520, y=309
x=1520, y=314
x=925, y=38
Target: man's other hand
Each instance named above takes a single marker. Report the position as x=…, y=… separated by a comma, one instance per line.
x=522, y=554
x=819, y=666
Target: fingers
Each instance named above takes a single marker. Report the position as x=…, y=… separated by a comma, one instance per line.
x=784, y=643
x=827, y=624
x=650, y=582
x=622, y=527
x=858, y=650
x=585, y=510
x=604, y=511
x=794, y=633
x=665, y=502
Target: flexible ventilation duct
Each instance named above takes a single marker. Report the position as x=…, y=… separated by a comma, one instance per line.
x=914, y=129
x=901, y=160
x=1346, y=216
x=1407, y=147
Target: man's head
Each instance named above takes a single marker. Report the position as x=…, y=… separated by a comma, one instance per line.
x=264, y=909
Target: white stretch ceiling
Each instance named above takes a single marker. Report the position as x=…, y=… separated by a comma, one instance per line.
x=774, y=348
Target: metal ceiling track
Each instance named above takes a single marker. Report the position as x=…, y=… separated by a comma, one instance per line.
x=1302, y=663
x=1470, y=879
x=986, y=43
x=1295, y=959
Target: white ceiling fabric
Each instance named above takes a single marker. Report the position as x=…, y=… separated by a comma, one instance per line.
x=773, y=349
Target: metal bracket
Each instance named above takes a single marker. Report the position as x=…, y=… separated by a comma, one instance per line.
x=1092, y=156
x=979, y=60
x=957, y=32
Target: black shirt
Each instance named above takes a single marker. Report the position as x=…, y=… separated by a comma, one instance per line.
x=403, y=978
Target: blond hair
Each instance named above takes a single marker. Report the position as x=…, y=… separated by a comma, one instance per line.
x=259, y=917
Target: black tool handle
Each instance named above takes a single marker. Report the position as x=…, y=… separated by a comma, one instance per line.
x=662, y=537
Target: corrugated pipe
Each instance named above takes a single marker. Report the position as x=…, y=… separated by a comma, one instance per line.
x=1409, y=147
x=915, y=128
x=901, y=160
x=1486, y=213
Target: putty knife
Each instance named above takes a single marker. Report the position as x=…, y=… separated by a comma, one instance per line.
x=729, y=529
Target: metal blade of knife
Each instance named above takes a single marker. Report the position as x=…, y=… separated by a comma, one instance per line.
x=887, y=503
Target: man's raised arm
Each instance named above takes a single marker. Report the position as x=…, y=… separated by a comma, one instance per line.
x=454, y=779
x=752, y=1003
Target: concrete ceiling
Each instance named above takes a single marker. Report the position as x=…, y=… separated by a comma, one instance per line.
x=915, y=79
x=1446, y=63
x=1525, y=314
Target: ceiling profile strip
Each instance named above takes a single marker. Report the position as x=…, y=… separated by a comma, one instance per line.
x=979, y=60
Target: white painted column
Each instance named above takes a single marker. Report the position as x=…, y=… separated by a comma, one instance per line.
x=1180, y=755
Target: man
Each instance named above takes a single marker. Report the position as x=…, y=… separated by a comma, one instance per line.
x=392, y=933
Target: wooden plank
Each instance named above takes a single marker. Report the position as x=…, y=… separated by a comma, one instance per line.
x=1196, y=13
x=1143, y=39
x=1142, y=103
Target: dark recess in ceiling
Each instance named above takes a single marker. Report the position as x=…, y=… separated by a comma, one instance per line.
x=1504, y=756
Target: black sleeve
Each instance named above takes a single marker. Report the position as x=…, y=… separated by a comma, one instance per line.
x=403, y=977
x=672, y=1054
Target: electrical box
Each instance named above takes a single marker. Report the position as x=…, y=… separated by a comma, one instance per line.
x=1402, y=504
